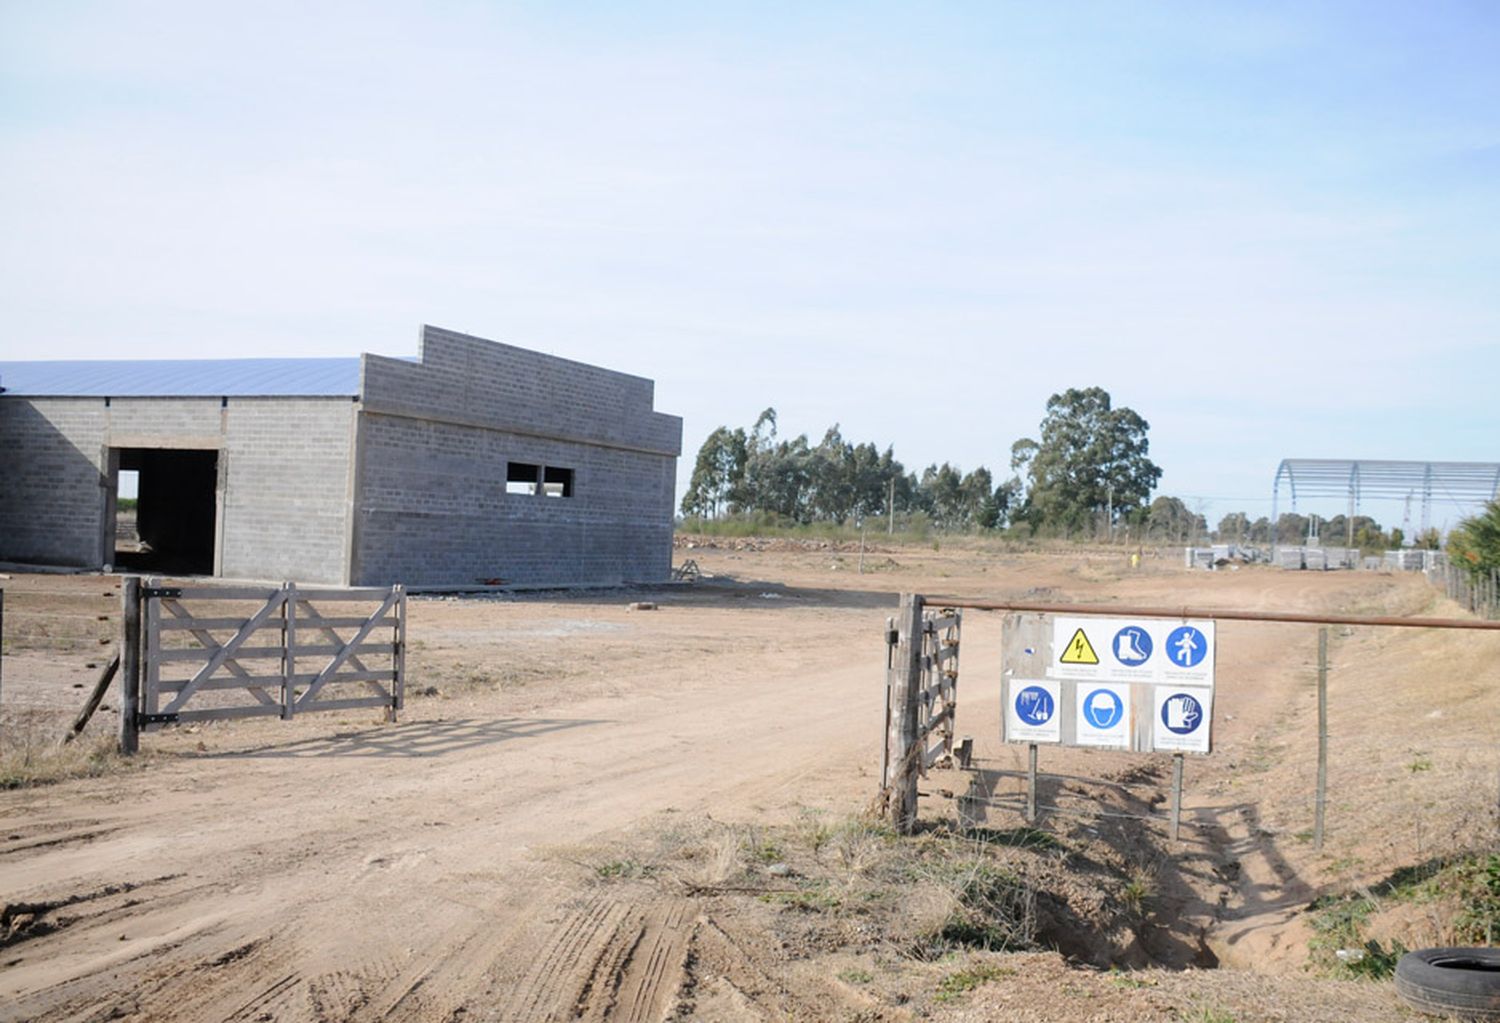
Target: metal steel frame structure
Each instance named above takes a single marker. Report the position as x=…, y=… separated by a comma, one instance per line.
x=1354, y=479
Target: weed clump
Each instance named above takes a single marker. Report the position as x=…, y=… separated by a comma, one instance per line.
x=962, y=982
x=32, y=754
x=1458, y=903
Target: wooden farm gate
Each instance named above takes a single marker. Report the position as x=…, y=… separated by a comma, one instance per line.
x=214, y=652
x=921, y=700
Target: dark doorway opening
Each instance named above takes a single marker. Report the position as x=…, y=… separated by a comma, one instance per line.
x=176, y=511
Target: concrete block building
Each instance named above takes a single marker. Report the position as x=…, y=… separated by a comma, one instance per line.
x=474, y=462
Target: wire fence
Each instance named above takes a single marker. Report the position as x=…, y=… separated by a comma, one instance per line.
x=1479, y=592
x=1018, y=804
x=970, y=804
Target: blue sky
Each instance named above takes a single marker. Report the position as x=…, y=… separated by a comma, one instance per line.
x=1269, y=228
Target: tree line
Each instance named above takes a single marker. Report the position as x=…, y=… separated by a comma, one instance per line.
x=1088, y=473
x=1331, y=531
x=755, y=472
x=1087, y=470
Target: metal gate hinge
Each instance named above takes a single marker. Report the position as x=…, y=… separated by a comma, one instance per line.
x=158, y=719
x=170, y=592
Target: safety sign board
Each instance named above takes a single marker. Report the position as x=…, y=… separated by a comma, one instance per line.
x=1182, y=718
x=1160, y=650
x=1103, y=715
x=1032, y=714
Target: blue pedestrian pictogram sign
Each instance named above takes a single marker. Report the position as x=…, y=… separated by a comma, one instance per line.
x=1034, y=705
x=1181, y=713
x=1132, y=646
x=1103, y=708
x=1186, y=646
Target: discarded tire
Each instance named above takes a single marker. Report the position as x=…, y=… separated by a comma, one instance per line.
x=1459, y=983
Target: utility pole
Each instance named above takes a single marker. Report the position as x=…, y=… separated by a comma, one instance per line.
x=890, y=508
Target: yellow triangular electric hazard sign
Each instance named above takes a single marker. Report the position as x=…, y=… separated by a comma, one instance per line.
x=1079, y=650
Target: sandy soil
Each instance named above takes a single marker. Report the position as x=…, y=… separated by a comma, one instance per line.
x=466, y=863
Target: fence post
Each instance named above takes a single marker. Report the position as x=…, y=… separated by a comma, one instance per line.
x=901, y=738
x=1321, y=801
x=130, y=664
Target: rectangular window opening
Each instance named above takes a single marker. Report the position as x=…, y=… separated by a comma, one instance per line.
x=557, y=482
x=521, y=477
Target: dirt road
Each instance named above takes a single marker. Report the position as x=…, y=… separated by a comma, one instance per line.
x=445, y=867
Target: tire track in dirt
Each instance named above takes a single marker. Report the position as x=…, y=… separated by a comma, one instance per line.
x=725, y=982
x=343, y=994
x=247, y=981
x=582, y=935
x=161, y=987
x=654, y=971
x=44, y=835
x=263, y=1005
x=435, y=986
x=22, y=921
x=608, y=962
x=137, y=929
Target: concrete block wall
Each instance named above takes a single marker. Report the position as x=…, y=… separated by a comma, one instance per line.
x=287, y=464
x=469, y=380
x=284, y=477
x=436, y=439
x=433, y=509
x=51, y=480
x=163, y=422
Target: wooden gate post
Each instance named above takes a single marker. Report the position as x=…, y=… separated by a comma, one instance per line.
x=130, y=664
x=904, y=681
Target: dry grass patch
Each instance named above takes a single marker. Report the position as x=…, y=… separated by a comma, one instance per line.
x=32, y=752
x=853, y=885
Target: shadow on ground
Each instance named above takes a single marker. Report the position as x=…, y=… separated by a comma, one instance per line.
x=417, y=739
x=1195, y=884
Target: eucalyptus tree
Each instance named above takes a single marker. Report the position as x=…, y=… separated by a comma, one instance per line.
x=1091, y=460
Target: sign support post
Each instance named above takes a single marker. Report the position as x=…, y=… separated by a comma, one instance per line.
x=1031, y=784
x=1176, y=794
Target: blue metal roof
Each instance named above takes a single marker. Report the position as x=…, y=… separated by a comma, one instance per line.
x=182, y=378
